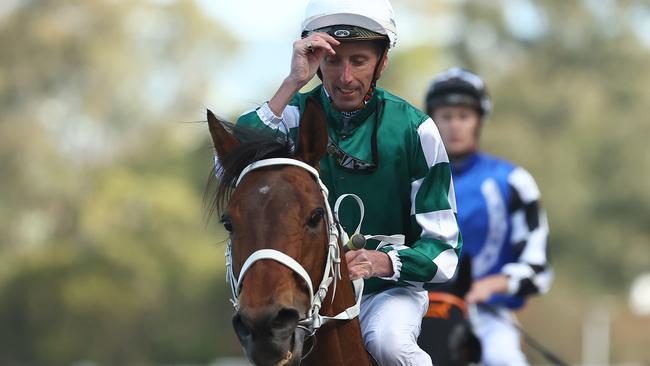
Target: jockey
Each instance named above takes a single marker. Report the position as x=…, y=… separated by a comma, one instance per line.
x=382, y=149
x=499, y=213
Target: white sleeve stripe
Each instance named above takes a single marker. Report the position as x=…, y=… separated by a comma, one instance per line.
x=434, y=153
x=520, y=231
x=451, y=196
x=431, y=143
x=290, y=117
x=525, y=185
x=415, y=187
x=534, y=253
x=543, y=281
x=447, y=262
x=439, y=225
x=535, y=250
x=520, y=271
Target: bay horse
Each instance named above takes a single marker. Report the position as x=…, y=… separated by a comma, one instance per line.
x=284, y=243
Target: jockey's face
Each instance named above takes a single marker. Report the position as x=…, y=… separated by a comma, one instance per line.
x=348, y=74
x=460, y=129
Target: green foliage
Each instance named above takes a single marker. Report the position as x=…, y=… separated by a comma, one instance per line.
x=570, y=106
x=105, y=254
x=572, y=109
x=121, y=304
x=137, y=279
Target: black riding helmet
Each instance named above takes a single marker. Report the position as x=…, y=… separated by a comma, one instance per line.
x=458, y=87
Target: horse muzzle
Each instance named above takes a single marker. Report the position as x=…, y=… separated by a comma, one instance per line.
x=271, y=340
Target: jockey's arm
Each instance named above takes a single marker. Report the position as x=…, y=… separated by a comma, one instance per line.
x=279, y=113
x=531, y=273
x=433, y=258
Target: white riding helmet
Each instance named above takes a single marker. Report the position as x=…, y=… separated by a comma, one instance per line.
x=374, y=15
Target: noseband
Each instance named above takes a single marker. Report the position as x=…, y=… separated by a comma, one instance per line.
x=332, y=273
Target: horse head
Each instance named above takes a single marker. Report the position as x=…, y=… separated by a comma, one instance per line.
x=280, y=234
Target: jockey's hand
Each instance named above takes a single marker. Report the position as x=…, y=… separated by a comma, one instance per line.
x=484, y=288
x=365, y=263
x=305, y=59
x=307, y=54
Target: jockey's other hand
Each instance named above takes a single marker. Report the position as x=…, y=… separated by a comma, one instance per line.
x=365, y=263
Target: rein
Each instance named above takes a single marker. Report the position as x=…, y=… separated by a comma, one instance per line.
x=332, y=272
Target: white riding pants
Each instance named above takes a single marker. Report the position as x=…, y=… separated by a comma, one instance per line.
x=499, y=338
x=390, y=324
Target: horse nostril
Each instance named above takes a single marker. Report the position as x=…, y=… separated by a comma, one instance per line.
x=241, y=329
x=285, y=321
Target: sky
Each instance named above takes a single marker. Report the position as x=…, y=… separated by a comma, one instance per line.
x=265, y=31
x=265, y=41
x=265, y=36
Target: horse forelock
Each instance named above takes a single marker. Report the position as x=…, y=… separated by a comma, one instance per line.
x=255, y=145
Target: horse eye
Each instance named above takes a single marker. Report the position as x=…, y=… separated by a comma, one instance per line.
x=225, y=220
x=316, y=217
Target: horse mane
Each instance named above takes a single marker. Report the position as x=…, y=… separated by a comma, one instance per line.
x=255, y=144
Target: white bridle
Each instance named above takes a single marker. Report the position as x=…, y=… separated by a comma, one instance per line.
x=332, y=273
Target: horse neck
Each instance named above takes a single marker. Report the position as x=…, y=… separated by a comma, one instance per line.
x=339, y=342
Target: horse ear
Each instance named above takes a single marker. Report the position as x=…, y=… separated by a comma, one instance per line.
x=224, y=142
x=312, y=134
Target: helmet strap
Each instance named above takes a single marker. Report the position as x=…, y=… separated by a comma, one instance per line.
x=375, y=76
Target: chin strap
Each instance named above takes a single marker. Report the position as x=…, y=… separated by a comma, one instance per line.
x=375, y=77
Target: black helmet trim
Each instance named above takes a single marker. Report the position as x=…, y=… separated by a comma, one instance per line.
x=344, y=32
x=458, y=86
x=454, y=99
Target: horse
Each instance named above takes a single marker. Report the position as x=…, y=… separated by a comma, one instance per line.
x=284, y=243
x=446, y=333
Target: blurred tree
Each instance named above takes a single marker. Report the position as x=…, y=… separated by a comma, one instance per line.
x=569, y=84
x=104, y=255
x=80, y=81
x=104, y=252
